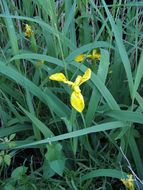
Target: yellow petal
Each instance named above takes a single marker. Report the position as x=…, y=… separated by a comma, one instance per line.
x=77, y=101
x=78, y=80
x=28, y=31
x=27, y=27
x=89, y=56
x=80, y=58
x=95, y=54
x=129, y=182
x=75, y=88
x=58, y=77
x=86, y=76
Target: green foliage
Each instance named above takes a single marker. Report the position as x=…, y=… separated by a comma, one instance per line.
x=44, y=142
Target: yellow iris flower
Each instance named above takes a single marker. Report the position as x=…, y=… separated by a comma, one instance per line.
x=129, y=182
x=94, y=55
x=28, y=31
x=77, y=100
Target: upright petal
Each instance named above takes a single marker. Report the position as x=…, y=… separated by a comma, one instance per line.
x=86, y=76
x=96, y=54
x=78, y=80
x=77, y=101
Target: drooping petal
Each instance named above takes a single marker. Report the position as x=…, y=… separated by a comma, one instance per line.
x=86, y=76
x=77, y=101
x=80, y=58
x=58, y=77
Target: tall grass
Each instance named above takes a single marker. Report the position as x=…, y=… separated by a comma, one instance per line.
x=54, y=146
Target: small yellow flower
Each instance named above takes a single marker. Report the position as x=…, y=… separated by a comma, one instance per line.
x=28, y=31
x=129, y=182
x=80, y=58
x=95, y=55
x=77, y=100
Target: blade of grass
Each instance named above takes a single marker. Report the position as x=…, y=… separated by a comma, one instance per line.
x=54, y=104
x=31, y=109
x=38, y=124
x=140, y=100
x=95, y=96
x=14, y=129
x=78, y=133
x=136, y=155
x=139, y=75
x=106, y=173
x=69, y=25
x=11, y=107
x=135, y=117
x=121, y=48
x=11, y=30
x=41, y=57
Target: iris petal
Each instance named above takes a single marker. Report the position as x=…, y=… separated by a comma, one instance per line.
x=77, y=101
x=86, y=76
x=80, y=58
x=58, y=77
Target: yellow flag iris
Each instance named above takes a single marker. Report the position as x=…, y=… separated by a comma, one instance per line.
x=28, y=31
x=77, y=100
x=94, y=55
x=129, y=182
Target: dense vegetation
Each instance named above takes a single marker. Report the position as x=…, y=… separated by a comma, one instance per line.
x=71, y=101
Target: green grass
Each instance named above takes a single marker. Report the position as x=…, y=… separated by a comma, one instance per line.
x=54, y=146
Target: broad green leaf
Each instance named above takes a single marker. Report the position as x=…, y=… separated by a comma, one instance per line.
x=19, y=172
x=55, y=157
x=7, y=159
